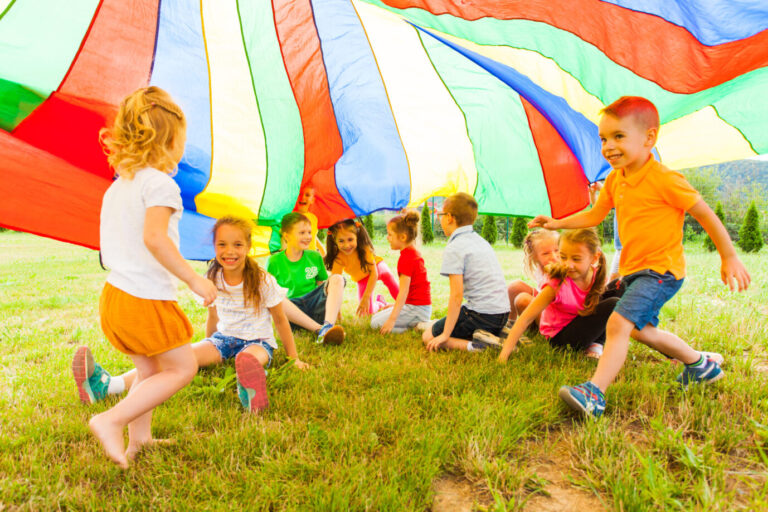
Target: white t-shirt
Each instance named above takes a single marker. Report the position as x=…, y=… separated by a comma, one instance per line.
x=132, y=267
x=247, y=323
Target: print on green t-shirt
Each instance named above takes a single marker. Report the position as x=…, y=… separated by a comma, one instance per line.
x=300, y=277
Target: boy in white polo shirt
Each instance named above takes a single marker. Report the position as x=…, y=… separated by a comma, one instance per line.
x=474, y=272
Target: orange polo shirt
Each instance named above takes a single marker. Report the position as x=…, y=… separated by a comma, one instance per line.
x=650, y=206
x=351, y=264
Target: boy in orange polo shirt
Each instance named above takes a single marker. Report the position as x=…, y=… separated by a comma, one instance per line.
x=651, y=202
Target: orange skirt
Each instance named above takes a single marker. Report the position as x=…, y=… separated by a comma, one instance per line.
x=142, y=326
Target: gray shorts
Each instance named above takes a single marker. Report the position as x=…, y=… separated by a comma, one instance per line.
x=409, y=316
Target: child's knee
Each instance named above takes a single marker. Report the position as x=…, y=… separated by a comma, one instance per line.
x=336, y=280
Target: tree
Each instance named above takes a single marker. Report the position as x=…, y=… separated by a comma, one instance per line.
x=368, y=223
x=750, y=238
x=708, y=243
x=519, y=231
x=427, y=235
x=489, y=229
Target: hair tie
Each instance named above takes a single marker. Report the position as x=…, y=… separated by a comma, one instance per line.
x=357, y=224
x=152, y=103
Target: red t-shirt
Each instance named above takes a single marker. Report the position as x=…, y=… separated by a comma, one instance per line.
x=411, y=264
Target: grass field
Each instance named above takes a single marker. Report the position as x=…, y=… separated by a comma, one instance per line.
x=378, y=423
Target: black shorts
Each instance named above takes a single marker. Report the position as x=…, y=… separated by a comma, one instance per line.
x=470, y=321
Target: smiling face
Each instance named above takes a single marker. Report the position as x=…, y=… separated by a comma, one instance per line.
x=231, y=248
x=346, y=240
x=299, y=236
x=306, y=199
x=546, y=251
x=626, y=143
x=397, y=241
x=578, y=259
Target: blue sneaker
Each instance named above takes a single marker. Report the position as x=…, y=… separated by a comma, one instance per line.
x=92, y=380
x=330, y=334
x=585, y=398
x=710, y=371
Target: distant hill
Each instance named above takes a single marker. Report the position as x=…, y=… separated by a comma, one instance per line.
x=742, y=172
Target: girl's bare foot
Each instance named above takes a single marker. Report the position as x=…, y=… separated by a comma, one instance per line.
x=135, y=448
x=111, y=438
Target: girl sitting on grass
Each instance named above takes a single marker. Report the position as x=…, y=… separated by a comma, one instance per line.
x=572, y=311
x=540, y=248
x=413, y=303
x=350, y=250
x=139, y=243
x=240, y=321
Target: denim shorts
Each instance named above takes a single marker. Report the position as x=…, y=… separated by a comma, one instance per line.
x=646, y=292
x=312, y=304
x=469, y=321
x=229, y=346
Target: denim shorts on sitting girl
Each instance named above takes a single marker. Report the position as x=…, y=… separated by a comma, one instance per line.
x=229, y=346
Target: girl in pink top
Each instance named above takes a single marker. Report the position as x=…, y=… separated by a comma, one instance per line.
x=573, y=313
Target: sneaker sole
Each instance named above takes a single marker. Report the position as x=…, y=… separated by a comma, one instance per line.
x=250, y=375
x=486, y=338
x=334, y=336
x=565, y=396
x=82, y=367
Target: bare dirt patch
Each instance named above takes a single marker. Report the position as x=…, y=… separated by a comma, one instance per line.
x=454, y=494
x=558, y=493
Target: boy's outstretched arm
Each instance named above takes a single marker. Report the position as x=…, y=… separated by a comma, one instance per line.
x=731, y=268
x=585, y=219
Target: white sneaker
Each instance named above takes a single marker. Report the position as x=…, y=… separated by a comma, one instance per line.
x=486, y=338
x=595, y=350
x=423, y=326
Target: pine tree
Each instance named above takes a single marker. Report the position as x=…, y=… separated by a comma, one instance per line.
x=750, y=238
x=427, y=235
x=519, y=231
x=489, y=229
x=368, y=223
x=708, y=243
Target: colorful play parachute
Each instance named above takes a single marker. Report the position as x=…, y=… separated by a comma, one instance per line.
x=375, y=103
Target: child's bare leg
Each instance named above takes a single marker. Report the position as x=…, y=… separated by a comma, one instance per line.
x=204, y=358
x=455, y=344
x=298, y=317
x=177, y=368
x=335, y=296
x=259, y=353
x=514, y=289
x=140, y=429
x=666, y=343
x=617, y=332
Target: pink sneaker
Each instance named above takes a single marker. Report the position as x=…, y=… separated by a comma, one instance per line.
x=251, y=383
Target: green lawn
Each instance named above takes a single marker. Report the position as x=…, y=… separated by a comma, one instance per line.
x=378, y=423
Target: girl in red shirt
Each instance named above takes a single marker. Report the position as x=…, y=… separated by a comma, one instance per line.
x=413, y=303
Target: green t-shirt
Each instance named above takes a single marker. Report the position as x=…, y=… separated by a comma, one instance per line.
x=300, y=277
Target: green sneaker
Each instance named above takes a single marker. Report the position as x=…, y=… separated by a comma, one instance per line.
x=92, y=380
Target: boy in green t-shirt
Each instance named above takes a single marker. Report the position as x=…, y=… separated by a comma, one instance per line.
x=303, y=273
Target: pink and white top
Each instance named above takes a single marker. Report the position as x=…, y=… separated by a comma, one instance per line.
x=569, y=300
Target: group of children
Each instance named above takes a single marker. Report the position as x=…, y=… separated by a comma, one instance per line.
x=573, y=303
